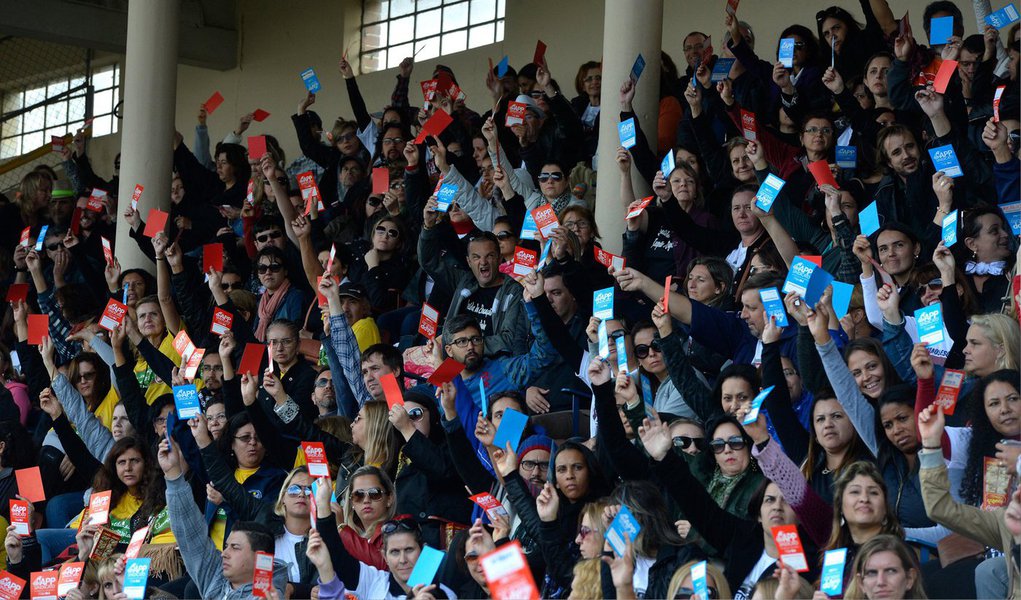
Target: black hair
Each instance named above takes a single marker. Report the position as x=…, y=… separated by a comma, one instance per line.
x=19, y=449
x=904, y=395
x=150, y=281
x=984, y=436
x=740, y=371
x=237, y=156
x=840, y=14
x=391, y=356
x=806, y=35
x=459, y=323
x=271, y=252
x=259, y=535
x=975, y=44
x=226, y=440
x=268, y=222
x=875, y=348
x=485, y=236
x=943, y=6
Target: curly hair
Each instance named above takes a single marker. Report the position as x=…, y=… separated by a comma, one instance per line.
x=984, y=435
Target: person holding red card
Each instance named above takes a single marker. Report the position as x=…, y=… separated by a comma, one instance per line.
x=226, y=186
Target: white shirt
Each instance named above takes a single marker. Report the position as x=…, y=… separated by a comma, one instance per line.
x=284, y=552
x=748, y=585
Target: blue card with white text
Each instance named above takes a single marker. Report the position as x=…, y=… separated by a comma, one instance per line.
x=787, y=52
x=768, y=191
x=945, y=159
x=1013, y=213
x=136, y=576
x=311, y=81
x=798, y=276
x=950, y=229
x=626, y=132
x=773, y=305
x=929, y=321
x=721, y=70
x=1005, y=16
x=602, y=304
x=847, y=157
x=668, y=165
x=831, y=582
x=445, y=197
x=623, y=529
x=637, y=68
x=186, y=398
x=756, y=406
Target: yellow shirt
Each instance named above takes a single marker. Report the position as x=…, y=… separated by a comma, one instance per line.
x=366, y=333
x=153, y=387
x=220, y=521
x=104, y=412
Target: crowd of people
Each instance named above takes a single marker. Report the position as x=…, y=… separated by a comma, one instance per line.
x=799, y=390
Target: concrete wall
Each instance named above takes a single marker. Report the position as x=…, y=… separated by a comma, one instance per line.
x=280, y=39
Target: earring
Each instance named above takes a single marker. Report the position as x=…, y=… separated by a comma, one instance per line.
x=842, y=521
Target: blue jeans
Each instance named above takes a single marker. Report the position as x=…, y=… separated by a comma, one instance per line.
x=54, y=541
x=61, y=509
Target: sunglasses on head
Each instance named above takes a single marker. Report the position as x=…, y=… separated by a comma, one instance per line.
x=270, y=268
x=544, y=177
x=262, y=238
x=395, y=525
x=374, y=494
x=735, y=442
x=390, y=233
x=642, y=350
x=299, y=490
x=684, y=442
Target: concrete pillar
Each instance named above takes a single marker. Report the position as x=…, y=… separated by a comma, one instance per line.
x=630, y=27
x=150, y=93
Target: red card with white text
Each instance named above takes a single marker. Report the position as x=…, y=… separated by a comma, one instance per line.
x=309, y=191
x=95, y=202
x=491, y=505
x=222, y=321
x=136, y=195
x=788, y=543
x=997, y=96
x=259, y=115
x=17, y=292
x=214, y=102
x=68, y=577
x=19, y=517
x=391, y=389
x=429, y=321
x=380, y=180
x=946, y=71
x=113, y=315
x=525, y=261
x=10, y=586
x=508, y=575
x=25, y=233
x=949, y=389
x=38, y=328
x=732, y=6
x=315, y=459
x=820, y=170
x=748, y=126
x=107, y=250
x=515, y=114
x=43, y=585
x=545, y=219
x=137, y=540
x=251, y=360
x=609, y=259
x=212, y=257
x=193, y=363
x=262, y=578
x=183, y=344
x=30, y=484
x=446, y=372
x=155, y=223
x=99, y=508
x=638, y=208
x=428, y=89
x=57, y=143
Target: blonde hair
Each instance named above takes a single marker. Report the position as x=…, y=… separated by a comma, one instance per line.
x=768, y=587
x=278, y=508
x=885, y=543
x=711, y=572
x=380, y=442
x=1002, y=331
x=586, y=582
x=104, y=569
x=29, y=187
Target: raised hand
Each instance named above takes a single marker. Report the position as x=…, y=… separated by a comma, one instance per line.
x=200, y=430
x=627, y=95
x=931, y=423
x=888, y=299
x=661, y=187
x=930, y=101
x=771, y=332
x=244, y=123
x=623, y=159
x=625, y=388
x=169, y=458
x=533, y=284
x=547, y=503
x=655, y=436
x=599, y=371
x=249, y=388
x=49, y=403
x=506, y=460
x=485, y=432
x=833, y=81
x=662, y=320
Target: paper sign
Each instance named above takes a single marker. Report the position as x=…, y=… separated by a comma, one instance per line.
x=445, y=197
x=997, y=95
x=491, y=505
x=515, y=113
x=186, y=397
x=380, y=180
x=10, y=586
x=540, y=53
x=831, y=581
x=929, y=321
x=768, y=191
x=17, y=292
x=608, y=259
x=667, y=166
x=639, y=207
x=105, y=545
x=136, y=577
x=183, y=344
x=76, y=221
x=748, y=126
x=435, y=125
x=699, y=582
x=868, y=219
x=309, y=191
x=511, y=427
x=43, y=585
x=732, y=7
x=756, y=405
x=213, y=103
x=798, y=276
x=621, y=348
x=666, y=293
x=251, y=360
x=940, y=29
x=545, y=219
x=428, y=89
x=308, y=77
x=847, y=157
x=950, y=229
x=841, y=300
x=529, y=231
x=262, y=578
x=525, y=261
x=38, y=328
x=507, y=574
x=221, y=322
x=446, y=372
x=787, y=52
x=949, y=389
x=137, y=540
x=788, y=544
x=256, y=146
x=502, y=66
x=212, y=257
x=155, y=223
x=602, y=304
x=107, y=250
x=995, y=483
x=40, y=241
x=19, y=517
x=1012, y=212
x=946, y=71
x=391, y=389
x=945, y=159
x=1003, y=17
x=99, y=508
x=707, y=55
x=113, y=315
x=623, y=529
x=817, y=284
x=426, y=566
x=95, y=201
x=637, y=68
x=57, y=143
x=259, y=115
x=30, y=484
x=721, y=69
x=192, y=364
x=315, y=459
x=626, y=133
x=427, y=323
x=249, y=195
x=136, y=196
x=773, y=305
x=820, y=170
x=25, y=233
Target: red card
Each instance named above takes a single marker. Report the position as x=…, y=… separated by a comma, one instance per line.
x=19, y=517
x=608, y=259
x=666, y=293
x=136, y=195
x=949, y=389
x=540, y=53
x=315, y=459
x=256, y=146
x=444, y=84
x=638, y=208
x=156, y=222
x=435, y=125
x=788, y=543
x=222, y=321
x=69, y=576
x=820, y=169
x=107, y=250
x=76, y=221
x=259, y=115
x=193, y=362
x=507, y=573
x=38, y=328
x=99, y=508
x=997, y=95
x=946, y=71
x=30, y=484
x=707, y=51
x=732, y=6
x=391, y=389
x=25, y=233
x=262, y=578
x=488, y=503
x=429, y=89
x=183, y=344
x=214, y=102
x=380, y=180
x=748, y=126
x=251, y=360
x=515, y=114
x=212, y=257
x=10, y=586
x=309, y=191
x=428, y=322
x=44, y=584
x=446, y=372
x=17, y=292
x=95, y=203
x=905, y=25
x=137, y=540
x=525, y=260
x=57, y=143
x=815, y=259
x=545, y=219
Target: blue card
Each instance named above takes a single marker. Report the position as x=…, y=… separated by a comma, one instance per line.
x=545, y=251
x=773, y=305
x=868, y=219
x=847, y=157
x=637, y=68
x=940, y=29
x=308, y=76
x=1003, y=17
x=841, y=297
x=445, y=197
x=426, y=566
x=124, y=296
x=929, y=321
x=787, y=52
x=950, y=229
x=625, y=528
x=831, y=581
x=482, y=397
x=511, y=427
x=41, y=240
x=699, y=583
x=626, y=132
x=945, y=159
x=186, y=398
x=817, y=284
x=602, y=304
x=768, y=191
x=668, y=165
x=1012, y=212
x=529, y=230
x=721, y=70
x=604, y=341
x=647, y=396
x=753, y=410
x=502, y=66
x=136, y=577
x=798, y=276
x=621, y=347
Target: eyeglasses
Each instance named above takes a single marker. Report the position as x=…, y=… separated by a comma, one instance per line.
x=799, y=45
x=247, y=439
x=217, y=418
x=536, y=94
x=822, y=130
x=735, y=442
x=262, y=238
x=684, y=442
x=323, y=382
x=374, y=495
x=160, y=421
x=393, y=140
x=374, y=201
x=471, y=557
x=505, y=235
x=396, y=525
x=212, y=368
x=397, y=185
x=687, y=593
x=345, y=137
x=584, y=532
x=577, y=225
x=390, y=233
x=474, y=340
x=532, y=465
x=230, y=286
x=299, y=490
x=544, y=177
x=52, y=247
x=416, y=414
x=270, y=268
x=935, y=285
x=642, y=350
x=86, y=375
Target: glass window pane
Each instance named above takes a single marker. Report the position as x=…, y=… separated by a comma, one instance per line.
x=402, y=30
x=10, y=148
x=116, y=75
x=56, y=114
x=499, y=31
x=455, y=16
x=57, y=87
x=76, y=110
x=374, y=10
x=427, y=4
x=374, y=36
x=374, y=61
x=115, y=125
x=501, y=8
x=397, y=54
x=102, y=126
x=12, y=102
x=455, y=42
x=401, y=7
x=427, y=49
x=483, y=10
x=32, y=141
x=480, y=36
x=33, y=120
x=427, y=23
x=102, y=103
x=34, y=96
x=102, y=79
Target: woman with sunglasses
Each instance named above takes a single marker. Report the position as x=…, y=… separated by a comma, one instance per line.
x=384, y=269
x=682, y=588
x=648, y=349
x=279, y=300
x=367, y=502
